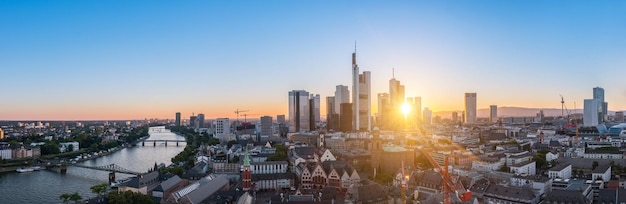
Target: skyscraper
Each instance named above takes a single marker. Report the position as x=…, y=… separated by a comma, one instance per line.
x=177, y=119
x=314, y=111
x=416, y=107
x=365, y=101
x=598, y=93
x=428, y=115
x=493, y=113
x=298, y=111
x=383, y=118
x=332, y=114
x=200, y=120
x=266, y=126
x=470, y=107
x=193, y=121
x=345, y=117
x=592, y=113
x=342, y=95
x=361, y=97
x=396, y=93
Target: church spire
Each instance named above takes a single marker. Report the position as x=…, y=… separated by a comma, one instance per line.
x=246, y=158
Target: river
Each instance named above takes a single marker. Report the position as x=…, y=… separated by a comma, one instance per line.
x=47, y=185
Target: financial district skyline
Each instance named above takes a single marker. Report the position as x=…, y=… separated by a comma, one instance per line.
x=94, y=66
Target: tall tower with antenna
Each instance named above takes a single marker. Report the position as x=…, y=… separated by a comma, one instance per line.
x=355, y=91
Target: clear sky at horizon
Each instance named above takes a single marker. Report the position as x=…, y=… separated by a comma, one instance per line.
x=71, y=60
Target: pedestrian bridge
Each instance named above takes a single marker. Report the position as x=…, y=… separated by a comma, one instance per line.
x=110, y=168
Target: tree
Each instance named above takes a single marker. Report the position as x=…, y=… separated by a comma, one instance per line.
x=65, y=197
x=594, y=165
x=75, y=197
x=70, y=148
x=99, y=189
x=129, y=197
x=231, y=143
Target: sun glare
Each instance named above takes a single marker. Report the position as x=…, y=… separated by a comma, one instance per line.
x=406, y=109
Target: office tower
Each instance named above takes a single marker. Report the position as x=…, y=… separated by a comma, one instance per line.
x=222, y=126
x=470, y=107
x=177, y=119
x=493, y=113
x=280, y=119
x=1, y=134
x=384, y=111
x=598, y=93
x=361, y=97
x=365, y=102
x=299, y=111
x=193, y=120
x=455, y=117
x=428, y=115
x=592, y=113
x=396, y=93
x=619, y=116
x=332, y=114
x=200, y=120
x=416, y=107
x=314, y=111
x=342, y=95
x=345, y=115
x=266, y=126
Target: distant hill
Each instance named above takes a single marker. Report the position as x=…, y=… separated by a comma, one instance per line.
x=512, y=112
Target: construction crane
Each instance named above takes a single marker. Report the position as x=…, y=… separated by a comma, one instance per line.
x=240, y=111
x=245, y=115
x=447, y=185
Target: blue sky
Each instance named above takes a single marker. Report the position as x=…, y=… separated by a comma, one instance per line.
x=138, y=59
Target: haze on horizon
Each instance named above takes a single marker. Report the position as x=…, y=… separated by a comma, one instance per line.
x=88, y=60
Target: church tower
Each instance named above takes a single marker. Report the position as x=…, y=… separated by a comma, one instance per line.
x=376, y=150
x=246, y=175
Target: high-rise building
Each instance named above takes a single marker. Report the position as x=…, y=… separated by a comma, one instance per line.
x=361, y=97
x=365, y=101
x=455, y=117
x=619, y=116
x=1, y=134
x=314, y=111
x=396, y=93
x=428, y=115
x=193, y=121
x=416, y=107
x=493, y=113
x=280, y=119
x=177, y=119
x=342, y=95
x=266, y=126
x=299, y=111
x=598, y=93
x=200, y=120
x=592, y=112
x=332, y=114
x=384, y=111
x=470, y=107
x=222, y=126
x=345, y=117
